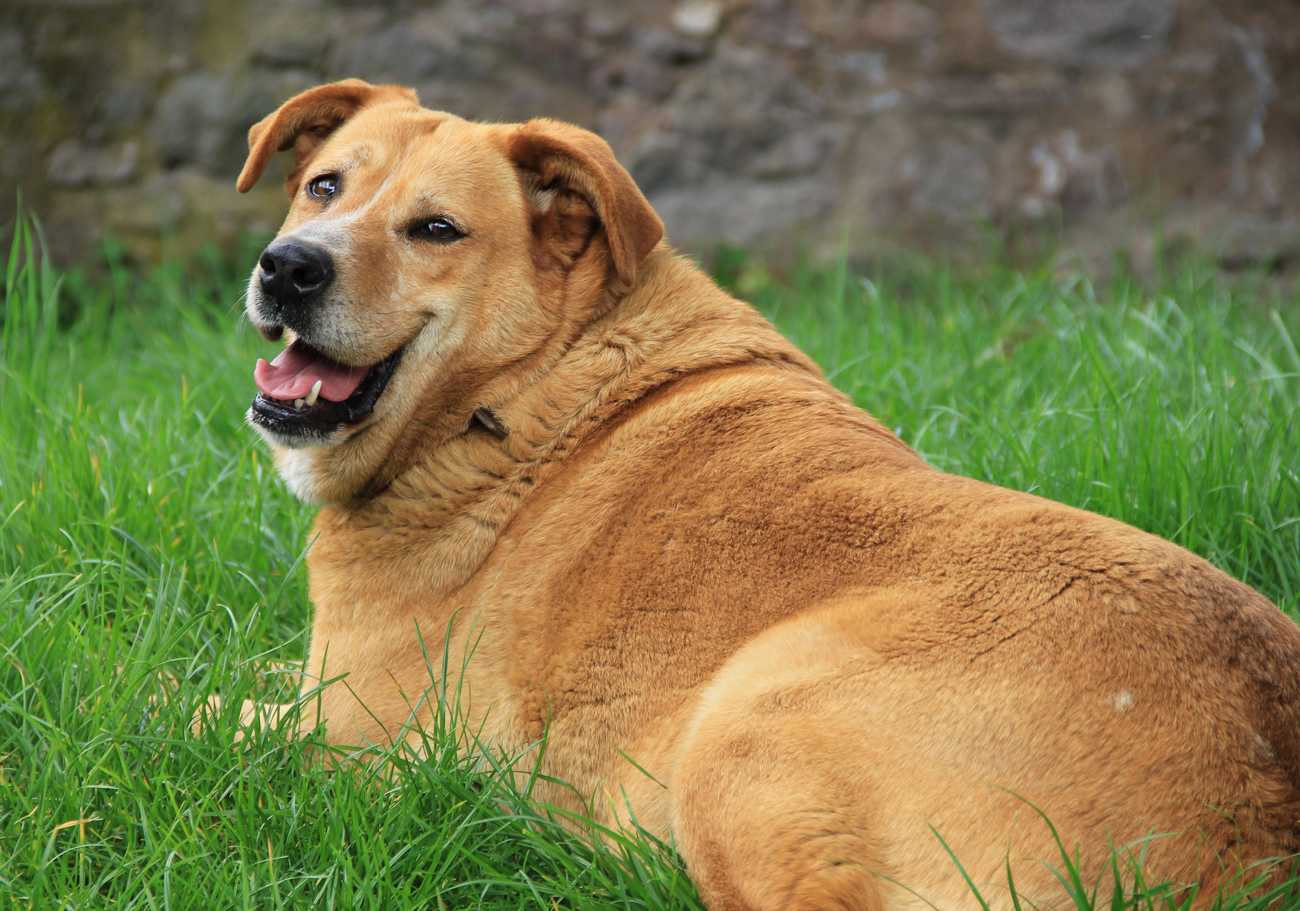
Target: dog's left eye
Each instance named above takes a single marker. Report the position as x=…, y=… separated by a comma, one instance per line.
x=436, y=229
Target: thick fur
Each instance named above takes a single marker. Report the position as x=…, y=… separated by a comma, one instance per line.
x=682, y=551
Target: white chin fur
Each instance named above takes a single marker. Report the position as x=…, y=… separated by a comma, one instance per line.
x=297, y=468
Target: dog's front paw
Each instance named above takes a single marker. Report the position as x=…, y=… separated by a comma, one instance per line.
x=251, y=714
x=205, y=715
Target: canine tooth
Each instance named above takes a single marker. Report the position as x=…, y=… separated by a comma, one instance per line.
x=297, y=403
x=314, y=394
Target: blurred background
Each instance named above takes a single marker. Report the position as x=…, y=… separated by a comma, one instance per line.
x=1089, y=129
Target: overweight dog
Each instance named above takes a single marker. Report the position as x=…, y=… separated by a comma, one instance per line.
x=741, y=610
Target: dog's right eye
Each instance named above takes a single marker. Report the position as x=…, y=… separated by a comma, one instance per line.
x=439, y=229
x=324, y=187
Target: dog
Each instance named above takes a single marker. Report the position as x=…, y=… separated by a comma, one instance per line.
x=635, y=520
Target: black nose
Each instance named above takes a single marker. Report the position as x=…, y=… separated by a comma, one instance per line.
x=293, y=273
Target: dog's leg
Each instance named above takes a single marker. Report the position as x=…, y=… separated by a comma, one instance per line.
x=259, y=714
x=761, y=828
x=803, y=782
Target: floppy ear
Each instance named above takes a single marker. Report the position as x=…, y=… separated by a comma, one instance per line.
x=563, y=161
x=305, y=121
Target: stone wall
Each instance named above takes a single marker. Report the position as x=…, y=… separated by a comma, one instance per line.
x=784, y=125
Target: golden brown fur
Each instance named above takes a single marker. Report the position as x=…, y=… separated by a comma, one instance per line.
x=690, y=551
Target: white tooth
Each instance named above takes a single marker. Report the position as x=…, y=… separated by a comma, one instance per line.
x=297, y=403
x=314, y=394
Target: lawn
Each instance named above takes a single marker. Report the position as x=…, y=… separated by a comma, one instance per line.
x=150, y=557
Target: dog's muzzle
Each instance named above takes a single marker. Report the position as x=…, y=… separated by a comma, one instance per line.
x=293, y=275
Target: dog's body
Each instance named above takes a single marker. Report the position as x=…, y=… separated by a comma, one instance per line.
x=740, y=610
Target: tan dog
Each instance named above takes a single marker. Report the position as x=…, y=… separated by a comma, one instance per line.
x=676, y=545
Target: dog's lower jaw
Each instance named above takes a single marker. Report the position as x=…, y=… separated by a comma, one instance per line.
x=278, y=441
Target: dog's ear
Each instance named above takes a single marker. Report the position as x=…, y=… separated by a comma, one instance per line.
x=305, y=121
x=575, y=183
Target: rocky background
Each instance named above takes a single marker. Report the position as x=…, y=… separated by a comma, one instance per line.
x=786, y=126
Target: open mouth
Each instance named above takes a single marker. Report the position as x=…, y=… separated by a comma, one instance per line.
x=305, y=392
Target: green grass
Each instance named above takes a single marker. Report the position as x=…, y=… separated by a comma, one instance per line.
x=149, y=557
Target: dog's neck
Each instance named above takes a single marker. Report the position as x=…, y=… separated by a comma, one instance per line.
x=463, y=491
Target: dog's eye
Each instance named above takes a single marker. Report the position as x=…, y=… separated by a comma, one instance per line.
x=436, y=229
x=324, y=187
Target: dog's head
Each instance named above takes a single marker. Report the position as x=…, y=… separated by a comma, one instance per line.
x=425, y=262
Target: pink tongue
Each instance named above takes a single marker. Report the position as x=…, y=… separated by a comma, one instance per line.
x=297, y=368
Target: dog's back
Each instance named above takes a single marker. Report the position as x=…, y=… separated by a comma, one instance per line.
x=820, y=645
